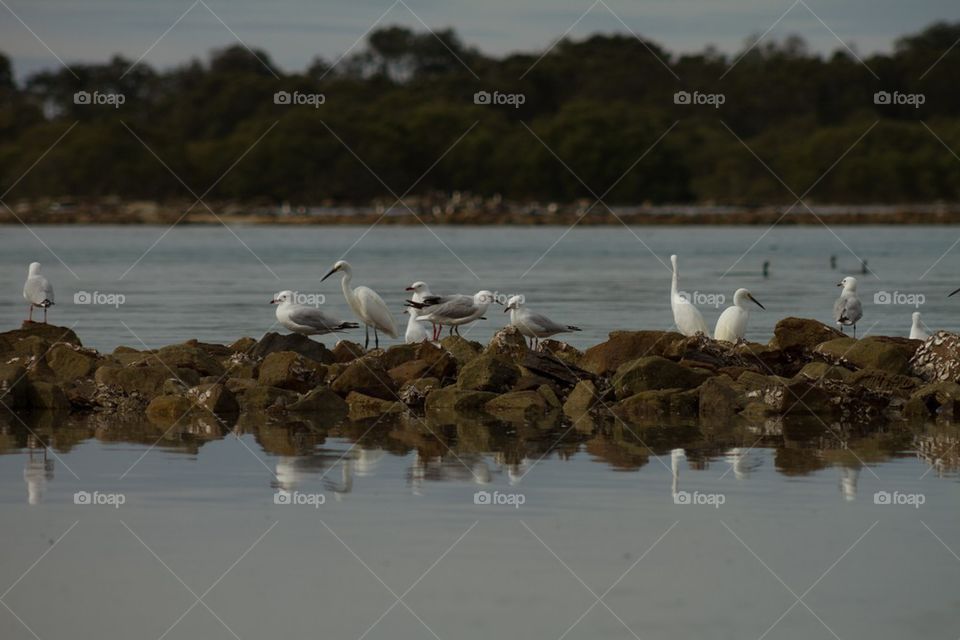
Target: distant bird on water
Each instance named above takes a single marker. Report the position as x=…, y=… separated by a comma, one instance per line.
x=366, y=304
x=686, y=316
x=917, y=330
x=848, y=310
x=37, y=291
x=766, y=268
x=833, y=262
x=306, y=320
x=732, y=323
x=533, y=325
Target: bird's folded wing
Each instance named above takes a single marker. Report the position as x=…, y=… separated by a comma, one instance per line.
x=311, y=317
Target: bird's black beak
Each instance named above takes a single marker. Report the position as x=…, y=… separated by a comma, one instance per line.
x=409, y=289
x=839, y=284
x=273, y=302
x=757, y=302
x=953, y=292
x=506, y=309
x=329, y=273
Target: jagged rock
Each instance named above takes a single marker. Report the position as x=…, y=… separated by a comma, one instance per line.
x=241, y=365
x=323, y=401
x=366, y=376
x=517, y=405
x=875, y=352
x=549, y=366
x=240, y=385
x=215, y=398
x=211, y=348
x=488, y=372
x=289, y=370
x=801, y=334
x=363, y=406
x=654, y=372
x=51, y=333
x=260, y=398
x=183, y=356
x=273, y=342
x=884, y=382
x=69, y=363
x=582, y=399
x=657, y=403
x=462, y=350
x=553, y=401
x=147, y=381
x=456, y=398
x=721, y=397
x=788, y=396
x=243, y=345
x=347, y=351
x=562, y=351
x=816, y=371
x=409, y=371
x=31, y=346
x=47, y=396
x=167, y=409
x=937, y=358
x=507, y=343
x=415, y=392
x=624, y=346
x=938, y=399
x=399, y=354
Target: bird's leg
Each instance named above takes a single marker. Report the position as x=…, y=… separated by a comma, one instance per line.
x=30, y=317
x=854, y=330
x=44, y=315
x=376, y=339
x=366, y=342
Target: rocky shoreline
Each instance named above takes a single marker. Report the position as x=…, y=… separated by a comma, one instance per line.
x=807, y=371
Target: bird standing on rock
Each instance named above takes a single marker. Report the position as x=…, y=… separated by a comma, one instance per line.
x=453, y=311
x=533, y=325
x=848, y=310
x=366, y=304
x=732, y=323
x=306, y=320
x=686, y=316
x=417, y=328
x=37, y=291
x=917, y=330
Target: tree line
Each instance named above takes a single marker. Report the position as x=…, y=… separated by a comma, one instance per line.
x=609, y=115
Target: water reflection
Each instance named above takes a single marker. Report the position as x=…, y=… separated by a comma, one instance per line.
x=38, y=470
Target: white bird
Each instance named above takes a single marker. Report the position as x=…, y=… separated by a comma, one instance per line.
x=454, y=311
x=917, y=330
x=366, y=304
x=732, y=323
x=686, y=316
x=533, y=325
x=417, y=329
x=306, y=320
x=37, y=291
x=848, y=310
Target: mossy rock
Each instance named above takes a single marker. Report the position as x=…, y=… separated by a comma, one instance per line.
x=70, y=363
x=274, y=342
x=462, y=350
x=47, y=396
x=368, y=377
x=658, y=403
x=321, y=400
x=363, y=407
x=517, y=405
x=654, y=372
x=260, y=398
x=215, y=398
x=802, y=334
x=290, y=370
x=183, y=356
x=147, y=381
x=582, y=399
x=488, y=372
x=456, y=398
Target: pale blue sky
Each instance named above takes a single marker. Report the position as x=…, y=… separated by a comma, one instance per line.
x=296, y=31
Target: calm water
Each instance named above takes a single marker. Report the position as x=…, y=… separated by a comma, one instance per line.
x=789, y=541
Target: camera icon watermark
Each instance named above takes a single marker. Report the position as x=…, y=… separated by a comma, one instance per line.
x=496, y=98
x=697, y=498
x=497, y=498
x=700, y=298
x=699, y=99
x=297, y=98
x=897, y=98
x=297, y=498
x=896, y=498
x=914, y=300
x=96, y=498
x=99, y=298
x=97, y=98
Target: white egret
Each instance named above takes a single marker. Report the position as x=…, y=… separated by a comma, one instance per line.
x=366, y=304
x=686, y=316
x=533, y=325
x=454, y=311
x=37, y=291
x=848, y=310
x=306, y=320
x=917, y=330
x=732, y=323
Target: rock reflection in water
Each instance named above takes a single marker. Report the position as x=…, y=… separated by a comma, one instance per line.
x=38, y=471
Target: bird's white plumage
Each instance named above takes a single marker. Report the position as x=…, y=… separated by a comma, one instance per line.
x=686, y=316
x=417, y=330
x=732, y=323
x=848, y=309
x=365, y=303
x=304, y=319
x=533, y=325
x=917, y=330
x=37, y=290
x=457, y=310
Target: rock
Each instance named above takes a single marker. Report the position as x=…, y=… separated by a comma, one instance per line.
x=443, y=364
x=289, y=370
x=657, y=403
x=884, y=382
x=48, y=332
x=507, y=343
x=167, y=409
x=816, y=371
x=562, y=351
x=122, y=349
x=582, y=399
x=260, y=398
x=31, y=346
x=399, y=354
x=211, y=348
x=70, y=363
x=462, y=350
x=242, y=365
x=346, y=351
x=787, y=396
x=244, y=345
x=363, y=407
x=415, y=392
x=488, y=372
x=240, y=385
x=937, y=358
x=368, y=377
x=215, y=398
x=457, y=398
x=937, y=399
x=409, y=371
x=721, y=398
x=550, y=396
x=517, y=405
x=273, y=342
x=47, y=396
x=801, y=334
x=321, y=401
x=624, y=346
x=549, y=366
x=875, y=352
x=183, y=356
x=147, y=381
x=654, y=372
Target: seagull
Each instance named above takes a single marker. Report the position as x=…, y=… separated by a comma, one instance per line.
x=366, y=304
x=847, y=310
x=917, y=330
x=306, y=320
x=416, y=330
x=37, y=291
x=732, y=323
x=686, y=316
x=533, y=325
x=454, y=311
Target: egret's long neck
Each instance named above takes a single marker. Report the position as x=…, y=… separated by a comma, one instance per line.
x=345, y=285
x=676, y=277
x=34, y=270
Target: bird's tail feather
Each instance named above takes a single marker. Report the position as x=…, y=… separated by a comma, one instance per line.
x=571, y=327
x=46, y=303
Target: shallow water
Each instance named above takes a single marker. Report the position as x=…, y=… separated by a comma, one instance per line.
x=788, y=540
x=206, y=283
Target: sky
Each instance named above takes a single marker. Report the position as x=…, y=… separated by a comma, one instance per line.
x=35, y=33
